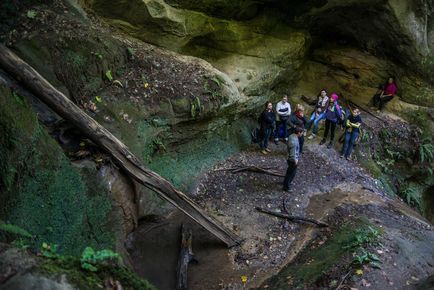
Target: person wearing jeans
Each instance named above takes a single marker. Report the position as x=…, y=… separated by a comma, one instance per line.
x=318, y=114
x=352, y=125
x=283, y=109
x=293, y=158
x=316, y=117
x=332, y=114
x=267, y=121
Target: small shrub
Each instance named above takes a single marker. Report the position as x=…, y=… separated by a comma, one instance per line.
x=90, y=258
x=31, y=14
x=426, y=153
x=411, y=195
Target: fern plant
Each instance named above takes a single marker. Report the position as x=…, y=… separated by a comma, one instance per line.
x=411, y=195
x=426, y=153
x=90, y=258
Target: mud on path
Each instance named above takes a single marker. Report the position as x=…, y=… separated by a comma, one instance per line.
x=269, y=243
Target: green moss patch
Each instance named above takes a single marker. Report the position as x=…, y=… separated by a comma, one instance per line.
x=316, y=261
x=41, y=191
x=83, y=279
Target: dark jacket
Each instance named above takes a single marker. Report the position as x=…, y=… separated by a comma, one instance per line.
x=333, y=113
x=267, y=120
x=294, y=121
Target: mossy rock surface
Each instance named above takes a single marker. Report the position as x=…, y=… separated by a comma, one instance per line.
x=41, y=191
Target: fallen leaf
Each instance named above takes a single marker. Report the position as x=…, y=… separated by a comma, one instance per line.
x=359, y=272
x=244, y=279
x=116, y=82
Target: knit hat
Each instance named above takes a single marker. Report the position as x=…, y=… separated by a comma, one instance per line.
x=335, y=97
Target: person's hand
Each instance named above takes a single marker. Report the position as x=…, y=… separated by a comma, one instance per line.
x=296, y=162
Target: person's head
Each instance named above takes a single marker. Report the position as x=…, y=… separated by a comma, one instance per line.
x=334, y=97
x=299, y=109
x=298, y=131
x=268, y=106
x=285, y=99
x=391, y=80
x=322, y=93
x=356, y=112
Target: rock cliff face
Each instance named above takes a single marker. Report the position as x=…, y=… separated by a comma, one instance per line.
x=229, y=32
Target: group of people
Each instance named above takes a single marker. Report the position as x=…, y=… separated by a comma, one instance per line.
x=292, y=127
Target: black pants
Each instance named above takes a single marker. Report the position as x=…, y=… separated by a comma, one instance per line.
x=332, y=126
x=301, y=142
x=380, y=102
x=290, y=174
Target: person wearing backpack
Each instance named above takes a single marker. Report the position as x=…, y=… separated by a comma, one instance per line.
x=332, y=115
x=353, y=123
x=267, y=121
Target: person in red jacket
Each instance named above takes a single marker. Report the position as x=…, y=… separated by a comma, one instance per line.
x=385, y=94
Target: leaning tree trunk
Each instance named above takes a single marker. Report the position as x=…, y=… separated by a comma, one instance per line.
x=59, y=103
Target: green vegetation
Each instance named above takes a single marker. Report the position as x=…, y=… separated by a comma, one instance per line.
x=31, y=14
x=13, y=230
x=91, y=258
x=412, y=195
x=363, y=239
x=42, y=192
x=84, y=279
x=195, y=107
x=351, y=241
x=108, y=75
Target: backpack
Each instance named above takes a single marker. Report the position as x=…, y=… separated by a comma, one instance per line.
x=255, y=135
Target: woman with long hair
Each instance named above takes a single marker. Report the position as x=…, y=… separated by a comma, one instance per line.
x=267, y=121
x=297, y=120
x=318, y=113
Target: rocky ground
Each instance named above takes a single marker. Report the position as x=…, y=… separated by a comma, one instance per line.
x=326, y=188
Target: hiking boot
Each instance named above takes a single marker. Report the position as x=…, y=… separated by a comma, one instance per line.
x=267, y=149
x=342, y=156
x=330, y=145
x=311, y=137
x=276, y=141
x=286, y=139
x=322, y=142
x=287, y=189
x=263, y=151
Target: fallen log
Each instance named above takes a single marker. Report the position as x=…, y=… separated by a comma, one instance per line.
x=185, y=257
x=252, y=169
x=59, y=103
x=292, y=218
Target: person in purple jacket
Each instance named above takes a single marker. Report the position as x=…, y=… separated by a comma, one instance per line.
x=385, y=94
x=332, y=115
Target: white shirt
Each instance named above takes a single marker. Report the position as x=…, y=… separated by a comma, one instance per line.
x=283, y=109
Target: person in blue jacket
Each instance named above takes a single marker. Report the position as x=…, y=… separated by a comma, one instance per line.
x=352, y=124
x=332, y=115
